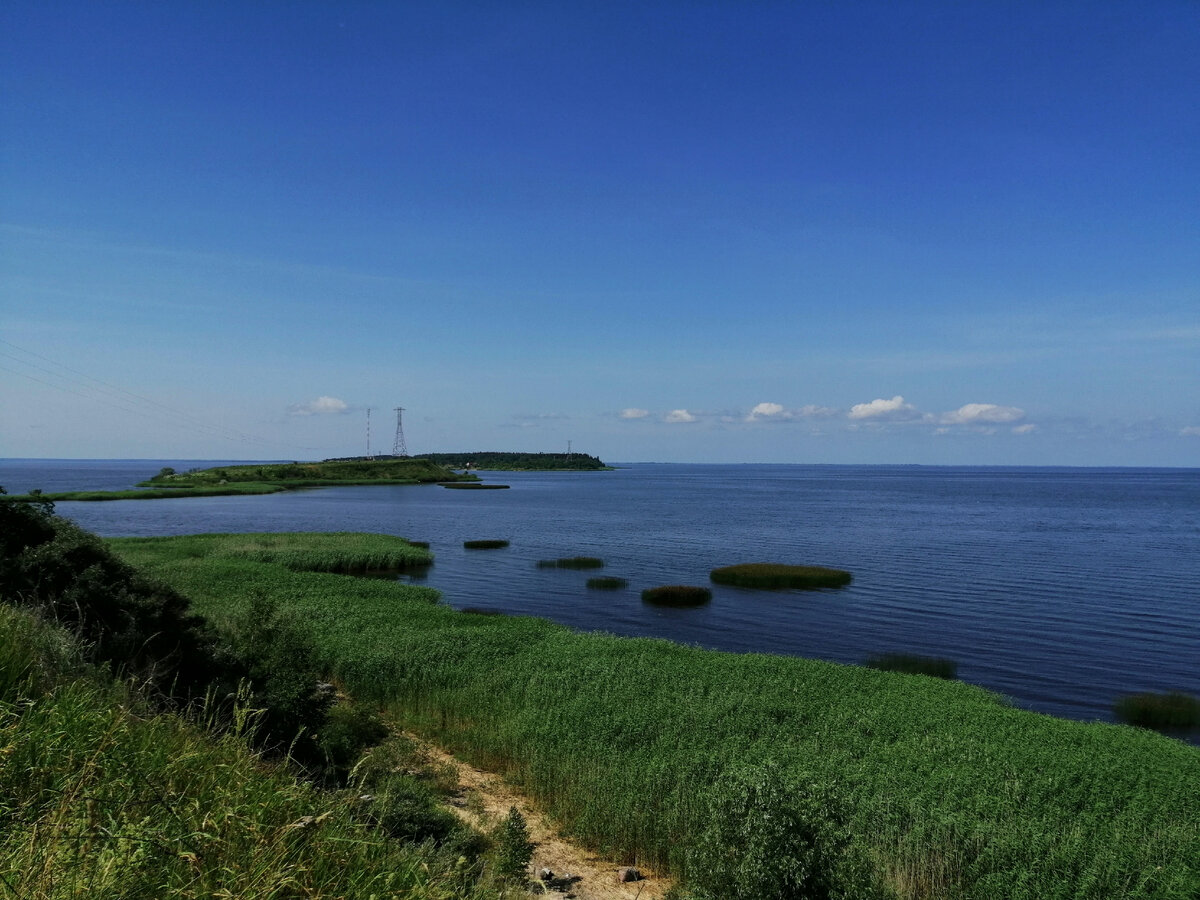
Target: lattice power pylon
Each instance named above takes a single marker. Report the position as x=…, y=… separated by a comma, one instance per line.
x=399, y=448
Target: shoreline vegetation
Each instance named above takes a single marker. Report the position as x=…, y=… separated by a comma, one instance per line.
x=497, y=461
x=913, y=787
x=862, y=783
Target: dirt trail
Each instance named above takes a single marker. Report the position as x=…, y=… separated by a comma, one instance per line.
x=578, y=873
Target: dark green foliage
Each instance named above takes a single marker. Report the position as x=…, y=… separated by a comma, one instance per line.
x=913, y=664
x=474, y=486
x=775, y=575
x=1172, y=710
x=572, y=562
x=139, y=626
x=768, y=834
x=516, y=462
x=422, y=545
x=484, y=545
x=607, y=583
x=514, y=850
x=348, y=730
x=677, y=595
x=407, y=809
x=348, y=471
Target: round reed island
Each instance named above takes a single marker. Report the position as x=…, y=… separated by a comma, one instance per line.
x=677, y=595
x=774, y=576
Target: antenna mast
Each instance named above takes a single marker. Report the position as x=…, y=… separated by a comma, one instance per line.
x=399, y=448
x=369, y=456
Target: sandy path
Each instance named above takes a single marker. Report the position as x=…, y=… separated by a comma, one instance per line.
x=578, y=873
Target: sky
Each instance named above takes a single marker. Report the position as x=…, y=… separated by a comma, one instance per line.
x=820, y=232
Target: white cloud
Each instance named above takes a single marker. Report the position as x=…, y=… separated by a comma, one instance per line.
x=894, y=410
x=634, y=413
x=322, y=406
x=679, y=415
x=766, y=409
x=1191, y=429
x=979, y=413
x=776, y=412
x=1027, y=428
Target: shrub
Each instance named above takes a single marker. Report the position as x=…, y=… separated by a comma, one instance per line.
x=770, y=835
x=484, y=545
x=677, y=595
x=775, y=575
x=1164, y=711
x=607, y=583
x=572, y=562
x=514, y=850
x=913, y=664
x=348, y=730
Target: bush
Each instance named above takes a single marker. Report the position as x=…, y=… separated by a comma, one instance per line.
x=349, y=729
x=770, y=835
x=775, y=575
x=514, y=850
x=912, y=664
x=1162, y=711
x=677, y=595
x=407, y=809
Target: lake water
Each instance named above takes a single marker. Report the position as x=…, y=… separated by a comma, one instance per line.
x=1061, y=588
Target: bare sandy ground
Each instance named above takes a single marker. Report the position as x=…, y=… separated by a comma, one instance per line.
x=578, y=873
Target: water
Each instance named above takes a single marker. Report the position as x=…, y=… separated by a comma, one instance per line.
x=1061, y=588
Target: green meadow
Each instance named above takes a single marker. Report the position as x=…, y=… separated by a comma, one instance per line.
x=894, y=785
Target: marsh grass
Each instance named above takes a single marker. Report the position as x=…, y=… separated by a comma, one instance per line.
x=677, y=595
x=1168, y=711
x=914, y=664
x=607, y=583
x=947, y=790
x=572, y=562
x=484, y=544
x=473, y=486
x=774, y=576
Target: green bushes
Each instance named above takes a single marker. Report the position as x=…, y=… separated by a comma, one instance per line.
x=1172, y=710
x=676, y=595
x=572, y=562
x=514, y=850
x=913, y=664
x=484, y=545
x=775, y=575
x=607, y=583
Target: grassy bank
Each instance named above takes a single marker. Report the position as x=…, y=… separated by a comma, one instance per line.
x=945, y=789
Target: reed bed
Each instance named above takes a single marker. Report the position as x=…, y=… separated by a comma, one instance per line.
x=485, y=544
x=946, y=790
x=914, y=664
x=607, y=583
x=572, y=562
x=1170, y=711
x=676, y=595
x=774, y=576
x=473, y=486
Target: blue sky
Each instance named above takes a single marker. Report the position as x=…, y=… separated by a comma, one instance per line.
x=938, y=233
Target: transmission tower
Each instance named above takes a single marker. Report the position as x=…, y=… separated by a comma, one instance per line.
x=369, y=456
x=399, y=448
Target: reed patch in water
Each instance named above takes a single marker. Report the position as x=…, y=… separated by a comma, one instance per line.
x=1173, y=709
x=607, y=583
x=677, y=595
x=572, y=562
x=484, y=545
x=776, y=575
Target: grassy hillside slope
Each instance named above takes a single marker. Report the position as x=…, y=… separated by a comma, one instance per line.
x=946, y=790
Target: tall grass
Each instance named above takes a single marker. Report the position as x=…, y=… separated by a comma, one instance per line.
x=1171, y=710
x=946, y=790
x=914, y=664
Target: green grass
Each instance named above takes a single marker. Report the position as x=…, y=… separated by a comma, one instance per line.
x=572, y=562
x=485, y=544
x=913, y=664
x=607, y=583
x=947, y=790
x=776, y=575
x=100, y=798
x=1172, y=710
x=676, y=595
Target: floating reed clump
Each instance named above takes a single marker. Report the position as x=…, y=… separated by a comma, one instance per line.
x=484, y=545
x=481, y=611
x=677, y=595
x=914, y=664
x=607, y=583
x=776, y=575
x=1170, y=710
x=572, y=562
x=472, y=486
x=424, y=545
